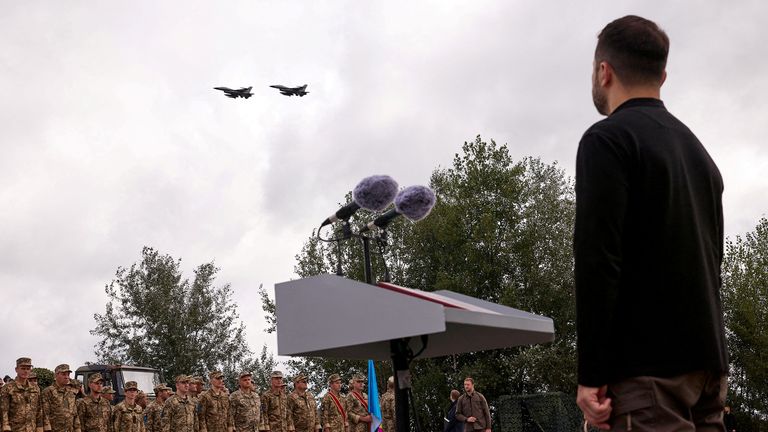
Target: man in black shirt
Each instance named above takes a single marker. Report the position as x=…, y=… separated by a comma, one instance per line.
x=648, y=244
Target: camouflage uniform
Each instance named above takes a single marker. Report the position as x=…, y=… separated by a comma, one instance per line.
x=95, y=414
x=179, y=415
x=275, y=416
x=387, y=403
x=21, y=408
x=128, y=418
x=213, y=409
x=355, y=410
x=60, y=408
x=245, y=410
x=333, y=417
x=303, y=409
x=153, y=414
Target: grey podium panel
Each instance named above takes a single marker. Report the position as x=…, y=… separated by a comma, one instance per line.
x=331, y=316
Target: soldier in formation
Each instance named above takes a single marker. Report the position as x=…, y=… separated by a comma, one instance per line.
x=357, y=406
x=213, y=406
x=20, y=403
x=59, y=406
x=303, y=407
x=128, y=415
x=108, y=394
x=275, y=416
x=245, y=405
x=153, y=413
x=94, y=411
x=387, y=404
x=334, y=414
x=179, y=411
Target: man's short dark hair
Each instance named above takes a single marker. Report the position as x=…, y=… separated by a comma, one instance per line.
x=636, y=48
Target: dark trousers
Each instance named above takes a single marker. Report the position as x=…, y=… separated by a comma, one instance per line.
x=689, y=402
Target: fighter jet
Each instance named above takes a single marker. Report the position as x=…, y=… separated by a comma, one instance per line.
x=292, y=91
x=243, y=92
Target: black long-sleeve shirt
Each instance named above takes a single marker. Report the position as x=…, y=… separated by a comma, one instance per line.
x=648, y=245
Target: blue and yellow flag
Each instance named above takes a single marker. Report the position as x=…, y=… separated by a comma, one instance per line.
x=373, y=399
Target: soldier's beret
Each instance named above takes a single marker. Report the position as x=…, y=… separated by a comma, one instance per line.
x=131, y=385
x=95, y=378
x=62, y=368
x=300, y=377
x=24, y=361
x=334, y=378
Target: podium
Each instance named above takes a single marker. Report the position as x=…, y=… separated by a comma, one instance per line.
x=332, y=316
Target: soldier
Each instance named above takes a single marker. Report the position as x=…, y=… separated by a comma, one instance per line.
x=20, y=405
x=32, y=379
x=108, y=394
x=94, y=411
x=179, y=411
x=128, y=415
x=334, y=414
x=302, y=406
x=213, y=406
x=357, y=406
x=195, y=387
x=77, y=388
x=141, y=400
x=387, y=404
x=245, y=405
x=153, y=413
x=274, y=406
x=59, y=406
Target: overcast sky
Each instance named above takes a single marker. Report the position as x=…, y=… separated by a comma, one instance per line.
x=112, y=137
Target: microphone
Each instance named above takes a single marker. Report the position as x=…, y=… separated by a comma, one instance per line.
x=413, y=202
x=372, y=193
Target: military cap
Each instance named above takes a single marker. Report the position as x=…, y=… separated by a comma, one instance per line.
x=276, y=374
x=195, y=380
x=160, y=387
x=215, y=374
x=131, y=385
x=62, y=368
x=32, y=375
x=73, y=383
x=107, y=390
x=182, y=378
x=244, y=374
x=358, y=377
x=95, y=378
x=300, y=377
x=334, y=378
x=24, y=361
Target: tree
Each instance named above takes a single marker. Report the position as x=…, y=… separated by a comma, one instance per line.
x=501, y=231
x=156, y=318
x=745, y=304
x=44, y=377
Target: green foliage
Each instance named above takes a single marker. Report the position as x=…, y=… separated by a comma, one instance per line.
x=501, y=231
x=156, y=318
x=745, y=302
x=44, y=377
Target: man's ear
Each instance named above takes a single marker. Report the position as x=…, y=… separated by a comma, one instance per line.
x=605, y=74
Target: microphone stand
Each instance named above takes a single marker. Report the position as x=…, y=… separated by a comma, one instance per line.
x=400, y=350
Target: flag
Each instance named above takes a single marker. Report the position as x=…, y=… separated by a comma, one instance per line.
x=373, y=399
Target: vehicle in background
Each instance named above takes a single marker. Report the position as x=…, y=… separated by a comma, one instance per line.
x=117, y=375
